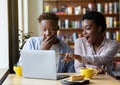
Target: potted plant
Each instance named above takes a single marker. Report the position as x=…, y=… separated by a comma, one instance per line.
x=22, y=37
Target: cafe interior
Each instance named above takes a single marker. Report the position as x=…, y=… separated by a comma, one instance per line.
x=19, y=22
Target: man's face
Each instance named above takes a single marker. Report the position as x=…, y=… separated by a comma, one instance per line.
x=48, y=28
x=90, y=31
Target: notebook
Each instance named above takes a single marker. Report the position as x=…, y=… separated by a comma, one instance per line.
x=39, y=64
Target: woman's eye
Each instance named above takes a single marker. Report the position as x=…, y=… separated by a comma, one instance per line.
x=88, y=30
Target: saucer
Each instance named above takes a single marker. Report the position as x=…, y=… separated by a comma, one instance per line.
x=69, y=82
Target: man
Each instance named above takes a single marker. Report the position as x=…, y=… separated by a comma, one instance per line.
x=50, y=41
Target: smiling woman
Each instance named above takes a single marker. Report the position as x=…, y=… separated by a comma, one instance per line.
x=94, y=50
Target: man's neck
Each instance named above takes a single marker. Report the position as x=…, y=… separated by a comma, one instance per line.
x=57, y=41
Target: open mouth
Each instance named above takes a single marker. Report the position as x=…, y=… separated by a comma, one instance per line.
x=87, y=37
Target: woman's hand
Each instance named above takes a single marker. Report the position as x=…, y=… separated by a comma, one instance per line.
x=70, y=56
x=101, y=70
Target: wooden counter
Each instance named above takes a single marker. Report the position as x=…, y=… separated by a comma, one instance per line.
x=12, y=79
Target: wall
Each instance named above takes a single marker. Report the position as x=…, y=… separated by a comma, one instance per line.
x=35, y=8
x=29, y=11
x=4, y=34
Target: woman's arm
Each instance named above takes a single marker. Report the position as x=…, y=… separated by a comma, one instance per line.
x=106, y=55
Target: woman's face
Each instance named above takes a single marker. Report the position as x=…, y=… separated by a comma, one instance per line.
x=49, y=27
x=90, y=31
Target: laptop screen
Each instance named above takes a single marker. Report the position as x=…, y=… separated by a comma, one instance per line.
x=39, y=64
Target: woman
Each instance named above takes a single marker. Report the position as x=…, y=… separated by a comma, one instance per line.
x=93, y=49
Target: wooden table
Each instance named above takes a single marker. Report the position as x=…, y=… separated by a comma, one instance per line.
x=12, y=79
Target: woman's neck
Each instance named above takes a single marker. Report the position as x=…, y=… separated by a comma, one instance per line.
x=97, y=43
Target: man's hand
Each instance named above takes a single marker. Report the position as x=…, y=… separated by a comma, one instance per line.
x=48, y=42
x=70, y=56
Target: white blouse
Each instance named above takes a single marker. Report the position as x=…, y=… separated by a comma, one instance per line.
x=103, y=56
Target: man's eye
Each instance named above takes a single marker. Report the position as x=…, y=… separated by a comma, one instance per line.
x=88, y=28
x=52, y=28
x=43, y=29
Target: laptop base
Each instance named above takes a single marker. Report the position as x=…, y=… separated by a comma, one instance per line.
x=62, y=76
x=116, y=74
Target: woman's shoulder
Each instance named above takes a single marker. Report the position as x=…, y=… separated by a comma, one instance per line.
x=82, y=39
x=112, y=42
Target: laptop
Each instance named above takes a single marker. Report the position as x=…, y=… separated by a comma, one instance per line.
x=40, y=64
x=116, y=74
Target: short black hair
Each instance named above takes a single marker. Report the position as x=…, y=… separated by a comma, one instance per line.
x=97, y=18
x=48, y=16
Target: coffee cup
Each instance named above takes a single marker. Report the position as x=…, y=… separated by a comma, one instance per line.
x=18, y=70
x=88, y=72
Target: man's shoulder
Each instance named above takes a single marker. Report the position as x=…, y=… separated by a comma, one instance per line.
x=34, y=39
x=62, y=42
x=64, y=47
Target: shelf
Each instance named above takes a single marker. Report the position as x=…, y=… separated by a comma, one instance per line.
x=117, y=58
x=103, y=1
x=112, y=29
x=64, y=16
x=112, y=15
x=68, y=1
x=70, y=17
x=79, y=29
x=70, y=30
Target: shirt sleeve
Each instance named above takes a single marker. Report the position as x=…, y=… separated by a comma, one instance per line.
x=28, y=45
x=103, y=58
x=64, y=48
x=98, y=60
x=78, y=51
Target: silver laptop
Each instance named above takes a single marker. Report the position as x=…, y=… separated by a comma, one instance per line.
x=39, y=64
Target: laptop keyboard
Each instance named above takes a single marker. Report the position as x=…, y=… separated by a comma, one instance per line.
x=62, y=76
